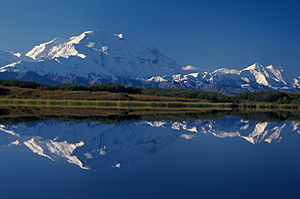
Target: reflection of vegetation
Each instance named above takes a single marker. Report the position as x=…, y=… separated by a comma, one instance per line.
x=27, y=114
x=277, y=116
x=188, y=116
x=32, y=114
x=4, y=91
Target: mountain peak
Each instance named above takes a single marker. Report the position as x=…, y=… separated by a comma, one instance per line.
x=226, y=71
x=98, y=54
x=255, y=66
x=270, y=67
x=56, y=48
x=77, y=39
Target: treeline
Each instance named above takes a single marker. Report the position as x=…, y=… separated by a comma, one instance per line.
x=118, y=88
x=268, y=96
x=109, y=87
x=186, y=93
x=259, y=96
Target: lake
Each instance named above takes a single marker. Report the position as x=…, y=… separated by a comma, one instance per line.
x=215, y=155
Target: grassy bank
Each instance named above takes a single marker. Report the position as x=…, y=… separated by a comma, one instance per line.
x=114, y=104
x=111, y=96
x=28, y=93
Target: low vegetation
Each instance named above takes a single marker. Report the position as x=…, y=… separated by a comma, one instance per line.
x=123, y=93
x=15, y=89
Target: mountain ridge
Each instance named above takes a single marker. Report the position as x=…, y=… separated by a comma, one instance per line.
x=252, y=78
x=95, y=54
x=95, y=57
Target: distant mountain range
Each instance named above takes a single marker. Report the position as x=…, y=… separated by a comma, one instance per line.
x=97, y=57
x=230, y=81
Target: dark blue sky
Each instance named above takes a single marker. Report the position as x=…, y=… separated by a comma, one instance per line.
x=206, y=34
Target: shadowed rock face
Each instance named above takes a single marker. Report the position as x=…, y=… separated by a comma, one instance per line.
x=93, y=145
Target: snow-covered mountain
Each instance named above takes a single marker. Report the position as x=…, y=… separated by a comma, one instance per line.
x=96, y=57
x=93, y=145
x=94, y=54
x=255, y=76
x=231, y=81
x=7, y=58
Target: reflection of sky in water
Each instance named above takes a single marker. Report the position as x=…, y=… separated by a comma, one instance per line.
x=93, y=145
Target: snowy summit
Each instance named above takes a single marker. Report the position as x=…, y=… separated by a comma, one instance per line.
x=96, y=54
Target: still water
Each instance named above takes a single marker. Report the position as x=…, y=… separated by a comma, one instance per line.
x=225, y=157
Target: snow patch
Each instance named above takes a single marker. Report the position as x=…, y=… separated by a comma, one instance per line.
x=176, y=78
x=187, y=136
x=15, y=142
x=2, y=128
x=35, y=148
x=57, y=48
x=227, y=71
x=156, y=123
x=194, y=74
x=245, y=79
x=12, y=65
x=17, y=54
x=121, y=36
x=156, y=79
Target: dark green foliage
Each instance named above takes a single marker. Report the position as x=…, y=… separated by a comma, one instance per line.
x=268, y=96
x=259, y=96
x=20, y=84
x=4, y=91
x=276, y=116
x=187, y=93
x=117, y=88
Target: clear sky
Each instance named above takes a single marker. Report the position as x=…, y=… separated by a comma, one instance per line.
x=205, y=34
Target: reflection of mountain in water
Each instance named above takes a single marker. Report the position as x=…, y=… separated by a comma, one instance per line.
x=252, y=131
x=92, y=145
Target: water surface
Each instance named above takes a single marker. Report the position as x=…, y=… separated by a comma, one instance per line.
x=225, y=157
